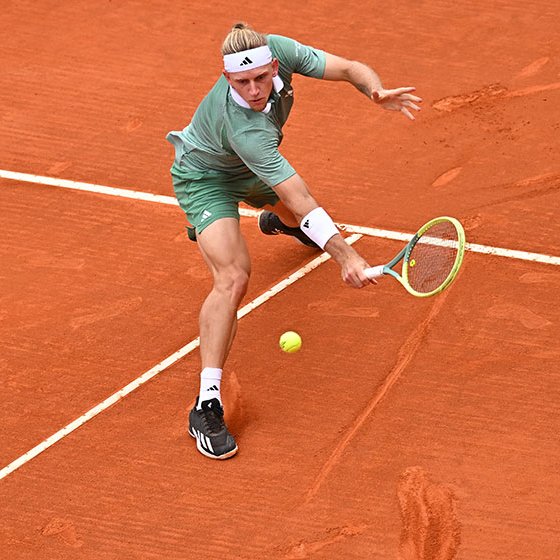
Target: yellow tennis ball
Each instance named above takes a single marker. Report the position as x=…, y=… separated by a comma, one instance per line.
x=290, y=342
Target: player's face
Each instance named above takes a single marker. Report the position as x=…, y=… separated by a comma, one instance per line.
x=254, y=86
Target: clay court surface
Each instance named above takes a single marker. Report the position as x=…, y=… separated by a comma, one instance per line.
x=404, y=429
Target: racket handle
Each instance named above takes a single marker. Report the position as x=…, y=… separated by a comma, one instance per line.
x=374, y=272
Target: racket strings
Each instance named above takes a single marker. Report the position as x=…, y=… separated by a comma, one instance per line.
x=433, y=257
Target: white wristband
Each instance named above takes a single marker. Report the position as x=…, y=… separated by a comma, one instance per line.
x=318, y=226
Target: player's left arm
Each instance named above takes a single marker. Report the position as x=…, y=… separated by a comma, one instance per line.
x=367, y=81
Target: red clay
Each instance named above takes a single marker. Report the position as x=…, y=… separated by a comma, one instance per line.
x=406, y=429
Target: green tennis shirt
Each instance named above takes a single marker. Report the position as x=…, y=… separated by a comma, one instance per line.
x=230, y=141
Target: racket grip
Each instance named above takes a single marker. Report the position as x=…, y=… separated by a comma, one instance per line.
x=374, y=272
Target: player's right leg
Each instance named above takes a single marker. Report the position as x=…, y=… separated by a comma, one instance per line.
x=226, y=255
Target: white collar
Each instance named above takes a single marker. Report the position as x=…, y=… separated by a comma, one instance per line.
x=277, y=84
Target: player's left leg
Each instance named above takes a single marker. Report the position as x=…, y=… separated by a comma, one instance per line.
x=270, y=223
x=285, y=215
x=278, y=219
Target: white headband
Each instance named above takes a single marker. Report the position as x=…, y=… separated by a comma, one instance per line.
x=247, y=60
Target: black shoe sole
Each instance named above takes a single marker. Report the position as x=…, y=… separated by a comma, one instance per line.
x=191, y=233
x=283, y=229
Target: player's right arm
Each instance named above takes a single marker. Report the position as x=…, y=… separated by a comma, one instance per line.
x=295, y=195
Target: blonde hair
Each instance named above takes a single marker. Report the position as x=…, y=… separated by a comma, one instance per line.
x=242, y=37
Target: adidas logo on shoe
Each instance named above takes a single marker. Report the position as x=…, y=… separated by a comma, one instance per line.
x=206, y=425
x=203, y=441
x=213, y=388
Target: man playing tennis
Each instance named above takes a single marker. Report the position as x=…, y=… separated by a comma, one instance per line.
x=229, y=154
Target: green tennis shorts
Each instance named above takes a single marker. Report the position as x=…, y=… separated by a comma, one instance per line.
x=207, y=197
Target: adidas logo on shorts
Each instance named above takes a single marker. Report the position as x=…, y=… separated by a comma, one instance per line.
x=205, y=215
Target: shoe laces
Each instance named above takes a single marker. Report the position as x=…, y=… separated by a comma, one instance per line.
x=213, y=415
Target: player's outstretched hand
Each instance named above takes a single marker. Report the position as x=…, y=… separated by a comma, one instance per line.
x=399, y=99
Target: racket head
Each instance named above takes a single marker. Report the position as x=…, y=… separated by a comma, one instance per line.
x=433, y=257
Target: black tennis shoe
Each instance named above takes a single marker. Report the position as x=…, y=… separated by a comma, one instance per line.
x=208, y=427
x=191, y=233
x=270, y=224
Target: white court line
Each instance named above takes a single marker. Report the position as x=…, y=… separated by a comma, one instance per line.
x=169, y=361
x=163, y=199
x=357, y=232
x=88, y=187
x=472, y=247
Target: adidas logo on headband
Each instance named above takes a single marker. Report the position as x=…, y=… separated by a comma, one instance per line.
x=247, y=59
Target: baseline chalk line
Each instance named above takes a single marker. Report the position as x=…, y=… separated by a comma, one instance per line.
x=370, y=232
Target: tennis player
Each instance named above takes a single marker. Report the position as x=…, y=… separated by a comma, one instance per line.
x=229, y=154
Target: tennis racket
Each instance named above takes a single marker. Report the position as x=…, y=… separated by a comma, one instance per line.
x=430, y=260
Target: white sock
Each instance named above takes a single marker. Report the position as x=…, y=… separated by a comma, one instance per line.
x=210, y=379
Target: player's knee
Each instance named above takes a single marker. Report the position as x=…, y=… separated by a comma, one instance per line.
x=240, y=282
x=235, y=282
x=239, y=285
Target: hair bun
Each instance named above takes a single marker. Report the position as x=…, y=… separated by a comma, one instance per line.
x=240, y=25
x=242, y=37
